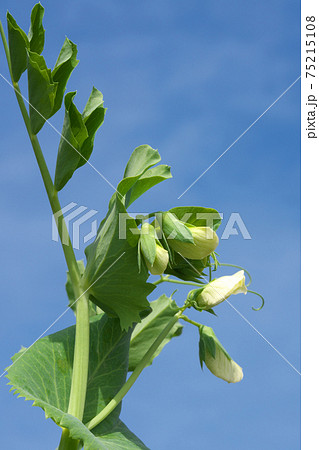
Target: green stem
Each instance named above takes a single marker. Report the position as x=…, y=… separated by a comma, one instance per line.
x=66, y=443
x=166, y=278
x=187, y=319
x=262, y=299
x=238, y=267
x=135, y=374
x=81, y=346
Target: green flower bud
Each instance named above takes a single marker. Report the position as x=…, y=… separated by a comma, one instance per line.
x=220, y=289
x=205, y=242
x=160, y=263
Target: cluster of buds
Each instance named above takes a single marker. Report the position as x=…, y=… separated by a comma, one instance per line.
x=192, y=242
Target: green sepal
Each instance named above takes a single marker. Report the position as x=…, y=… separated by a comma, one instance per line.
x=36, y=33
x=208, y=342
x=198, y=216
x=18, y=45
x=175, y=229
x=43, y=374
x=62, y=70
x=42, y=91
x=78, y=133
x=148, y=243
x=145, y=333
x=193, y=294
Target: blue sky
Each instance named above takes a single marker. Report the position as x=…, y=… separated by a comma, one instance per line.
x=187, y=78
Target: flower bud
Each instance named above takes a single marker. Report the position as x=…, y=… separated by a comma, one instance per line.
x=222, y=367
x=205, y=242
x=217, y=360
x=220, y=289
x=160, y=263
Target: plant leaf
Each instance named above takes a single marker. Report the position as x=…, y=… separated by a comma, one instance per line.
x=146, y=181
x=18, y=45
x=43, y=374
x=93, y=116
x=186, y=269
x=145, y=333
x=36, y=32
x=198, y=216
x=112, y=274
x=142, y=158
x=63, y=68
x=42, y=91
x=74, y=133
x=77, y=136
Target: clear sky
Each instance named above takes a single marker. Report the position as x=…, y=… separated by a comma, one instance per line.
x=187, y=78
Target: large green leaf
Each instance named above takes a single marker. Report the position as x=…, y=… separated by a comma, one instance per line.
x=112, y=275
x=198, y=216
x=43, y=374
x=145, y=333
x=62, y=70
x=42, y=91
x=77, y=138
x=36, y=32
x=18, y=45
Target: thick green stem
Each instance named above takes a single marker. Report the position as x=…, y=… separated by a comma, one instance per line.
x=66, y=443
x=135, y=374
x=81, y=349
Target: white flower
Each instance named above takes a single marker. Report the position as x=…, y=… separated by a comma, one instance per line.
x=223, y=367
x=160, y=263
x=205, y=242
x=220, y=289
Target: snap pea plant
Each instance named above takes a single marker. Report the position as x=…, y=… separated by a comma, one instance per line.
x=78, y=375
